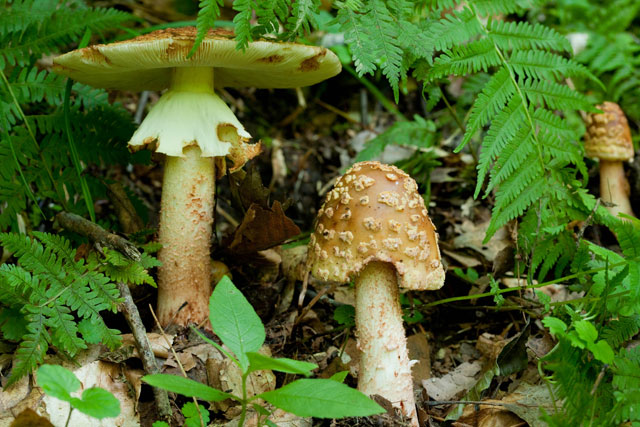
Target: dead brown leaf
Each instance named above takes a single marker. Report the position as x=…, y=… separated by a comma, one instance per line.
x=261, y=229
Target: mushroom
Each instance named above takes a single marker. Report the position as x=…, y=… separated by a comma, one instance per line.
x=373, y=226
x=608, y=138
x=195, y=129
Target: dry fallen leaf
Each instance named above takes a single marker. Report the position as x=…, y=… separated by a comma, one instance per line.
x=454, y=383
x=262, y=228
x=29, y=418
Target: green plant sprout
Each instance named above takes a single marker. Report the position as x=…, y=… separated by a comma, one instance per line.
x=95, y=402
x=191, y=414
x=242, y=332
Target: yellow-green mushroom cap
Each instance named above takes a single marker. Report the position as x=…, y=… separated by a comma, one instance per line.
x=145, y=62
x=190, y=113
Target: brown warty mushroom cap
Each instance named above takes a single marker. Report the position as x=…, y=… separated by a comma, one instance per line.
x=375, y=213
x=608, y=136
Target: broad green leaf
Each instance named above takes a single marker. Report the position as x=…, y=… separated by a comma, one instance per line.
x=555, y=325
x=322, y=398
x=586, y=330
x=258, y=362
x=186, y=387
x=235, y=321
x=602, y=351
x=57, y=381
x=97, y=403
x=192, y=415
x=339, y=376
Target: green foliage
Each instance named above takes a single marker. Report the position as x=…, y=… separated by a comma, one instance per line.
x=419, y=133
x=594, y=372
x=192, y=415
x=35, y=151
x=50, y=298
x=45, y=290
x=611, y=49
x=240, y=329
x=59, y=382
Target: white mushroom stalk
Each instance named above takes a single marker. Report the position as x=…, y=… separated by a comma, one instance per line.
x=374, y=227
x=191, y=125
x=608, y=138
x=195, y=129
x=384, y=359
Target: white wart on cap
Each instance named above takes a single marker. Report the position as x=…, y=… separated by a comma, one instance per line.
x=375, y=213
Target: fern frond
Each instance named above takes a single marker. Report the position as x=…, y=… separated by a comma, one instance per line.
x=32, y=255
x=475, y=56
x=242, y=21
x=454, y=29
x=541, y=64
x=301, y=16
x=33, y=347
x=627, y=370
x=356, y=36
x=629, y=239
x=516, y=207
x=206, y=19
x=490, y=101
x=64, y=329
x=511, y=187
x=20, y=15
x=68, y=25
x=512, y=157
x=494, y=7
x=503, y=128
x=523, y=35
x=381, y=24
x=553, y=95
x=621, y=330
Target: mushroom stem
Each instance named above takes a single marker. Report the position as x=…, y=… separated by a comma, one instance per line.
x=186, y=219
x=384, y=362
x=614, y=187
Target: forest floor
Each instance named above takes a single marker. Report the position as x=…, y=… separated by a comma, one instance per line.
x=467, y=351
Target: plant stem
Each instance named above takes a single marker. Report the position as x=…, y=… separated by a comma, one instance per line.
x=521, y=288
x=388, y=105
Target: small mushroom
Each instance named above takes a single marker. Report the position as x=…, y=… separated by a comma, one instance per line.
x=192, y=126
x=608, y=138
x=373, y=226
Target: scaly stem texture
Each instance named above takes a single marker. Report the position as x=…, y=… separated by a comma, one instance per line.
x=185, y=233
x=384, y=360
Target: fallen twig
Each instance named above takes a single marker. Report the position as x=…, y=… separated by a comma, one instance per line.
x=128, y=308
x=97, y=234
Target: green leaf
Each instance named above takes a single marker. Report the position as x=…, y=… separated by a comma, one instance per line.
x=259, y=362
x=57, y=381
x=190, y=411
x=586, y=330
x=186, y=387
x=555, y=325
x=235, y=321
x=160, y=424
x=339, y=376
x=322, y=398
x=602, y=351
x=97, y=403
x=345, y=315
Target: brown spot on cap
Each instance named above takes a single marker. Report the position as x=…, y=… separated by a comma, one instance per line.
x=271, y=59
x=313, y=63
